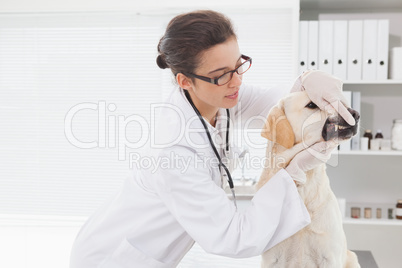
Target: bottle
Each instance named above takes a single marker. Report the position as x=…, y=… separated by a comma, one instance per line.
x=379, y=213
x=368, y=135
x=390, y=212
x=379, y=137
x=364, y=142
x=398, y=211
x=355, y=212
x=396, y=135
x=367, y=213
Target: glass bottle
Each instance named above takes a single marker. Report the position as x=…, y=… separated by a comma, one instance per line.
x=396, y=135
x=367, y=213
x=378, y=140
x=398, y=211
x=390, y=212
x=368, y=135
x=379, y=213
x=355, y=212
x=379, y=135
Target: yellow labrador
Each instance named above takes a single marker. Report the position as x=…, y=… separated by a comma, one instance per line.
x=292, y=125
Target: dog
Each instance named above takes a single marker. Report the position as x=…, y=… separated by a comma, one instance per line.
x=293, y=125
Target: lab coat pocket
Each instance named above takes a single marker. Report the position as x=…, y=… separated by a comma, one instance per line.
x=128, y=256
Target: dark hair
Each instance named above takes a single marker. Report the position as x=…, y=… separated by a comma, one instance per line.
x=188, y=35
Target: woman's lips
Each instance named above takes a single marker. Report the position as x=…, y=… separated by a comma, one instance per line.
x=233, y=96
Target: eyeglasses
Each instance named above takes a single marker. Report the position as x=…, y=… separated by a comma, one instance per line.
x=226, y=77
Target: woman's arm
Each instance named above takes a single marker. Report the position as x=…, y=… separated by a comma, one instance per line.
x=323, y=89
x=210, y=218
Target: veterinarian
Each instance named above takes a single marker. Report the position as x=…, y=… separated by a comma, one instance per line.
x=158, y=214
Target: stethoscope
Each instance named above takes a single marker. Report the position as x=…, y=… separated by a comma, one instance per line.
x=229, y=177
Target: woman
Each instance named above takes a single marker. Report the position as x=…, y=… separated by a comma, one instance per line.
x=158, y=213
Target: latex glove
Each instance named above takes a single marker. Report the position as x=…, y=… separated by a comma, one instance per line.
x=309, y=159
x=325, y=91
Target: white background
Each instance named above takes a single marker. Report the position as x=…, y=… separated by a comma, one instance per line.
x=58, y=54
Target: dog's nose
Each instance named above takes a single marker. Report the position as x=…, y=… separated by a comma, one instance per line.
x=355, y=114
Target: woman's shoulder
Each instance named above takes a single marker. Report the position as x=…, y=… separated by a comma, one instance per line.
x=176, y=124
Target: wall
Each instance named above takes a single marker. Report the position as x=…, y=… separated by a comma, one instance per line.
x=130, y=5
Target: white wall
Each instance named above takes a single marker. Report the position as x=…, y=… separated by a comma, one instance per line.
x=131, y=5
x=22, y=240
x=50, y=48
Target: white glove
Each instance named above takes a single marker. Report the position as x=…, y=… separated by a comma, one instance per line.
x=325, y=91
x=309, y=159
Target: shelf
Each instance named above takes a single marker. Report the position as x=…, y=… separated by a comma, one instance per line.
x=348, y=5
x=363, y=221
x=373, y=82
x=369, y=153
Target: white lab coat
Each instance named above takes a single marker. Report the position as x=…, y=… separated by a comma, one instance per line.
x=158, y=213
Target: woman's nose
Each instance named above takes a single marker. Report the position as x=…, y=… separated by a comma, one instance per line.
x=236, y=79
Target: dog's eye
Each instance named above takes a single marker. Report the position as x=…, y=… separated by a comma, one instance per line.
x=311, y=105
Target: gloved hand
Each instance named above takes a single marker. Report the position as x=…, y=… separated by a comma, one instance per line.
x=310, y=158
x=325, y=91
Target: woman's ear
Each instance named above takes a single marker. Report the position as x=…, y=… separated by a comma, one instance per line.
x=183, y=81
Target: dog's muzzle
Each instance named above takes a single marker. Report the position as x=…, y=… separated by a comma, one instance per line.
x=337, y=128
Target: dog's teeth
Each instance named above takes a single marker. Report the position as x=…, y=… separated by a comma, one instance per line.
x=336, y=127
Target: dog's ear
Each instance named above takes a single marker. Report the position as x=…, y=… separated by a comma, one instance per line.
x=277, y=127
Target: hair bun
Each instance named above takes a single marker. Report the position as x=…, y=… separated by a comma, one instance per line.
x=161, y=62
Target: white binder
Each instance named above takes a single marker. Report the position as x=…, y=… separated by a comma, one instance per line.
x=312, y=44
x=340, y=48
x=346, y=145
x=303, y=46
x=325, y=45
x=356, y=103
x=355, y=46
x=395, y=71
x=369, y=50
x=382, y=49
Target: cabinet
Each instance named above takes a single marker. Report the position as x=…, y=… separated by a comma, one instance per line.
x=372, y=179
x=369, y=179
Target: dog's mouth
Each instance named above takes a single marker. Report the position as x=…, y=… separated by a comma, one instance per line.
x=337, y=128
x=335, y=131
